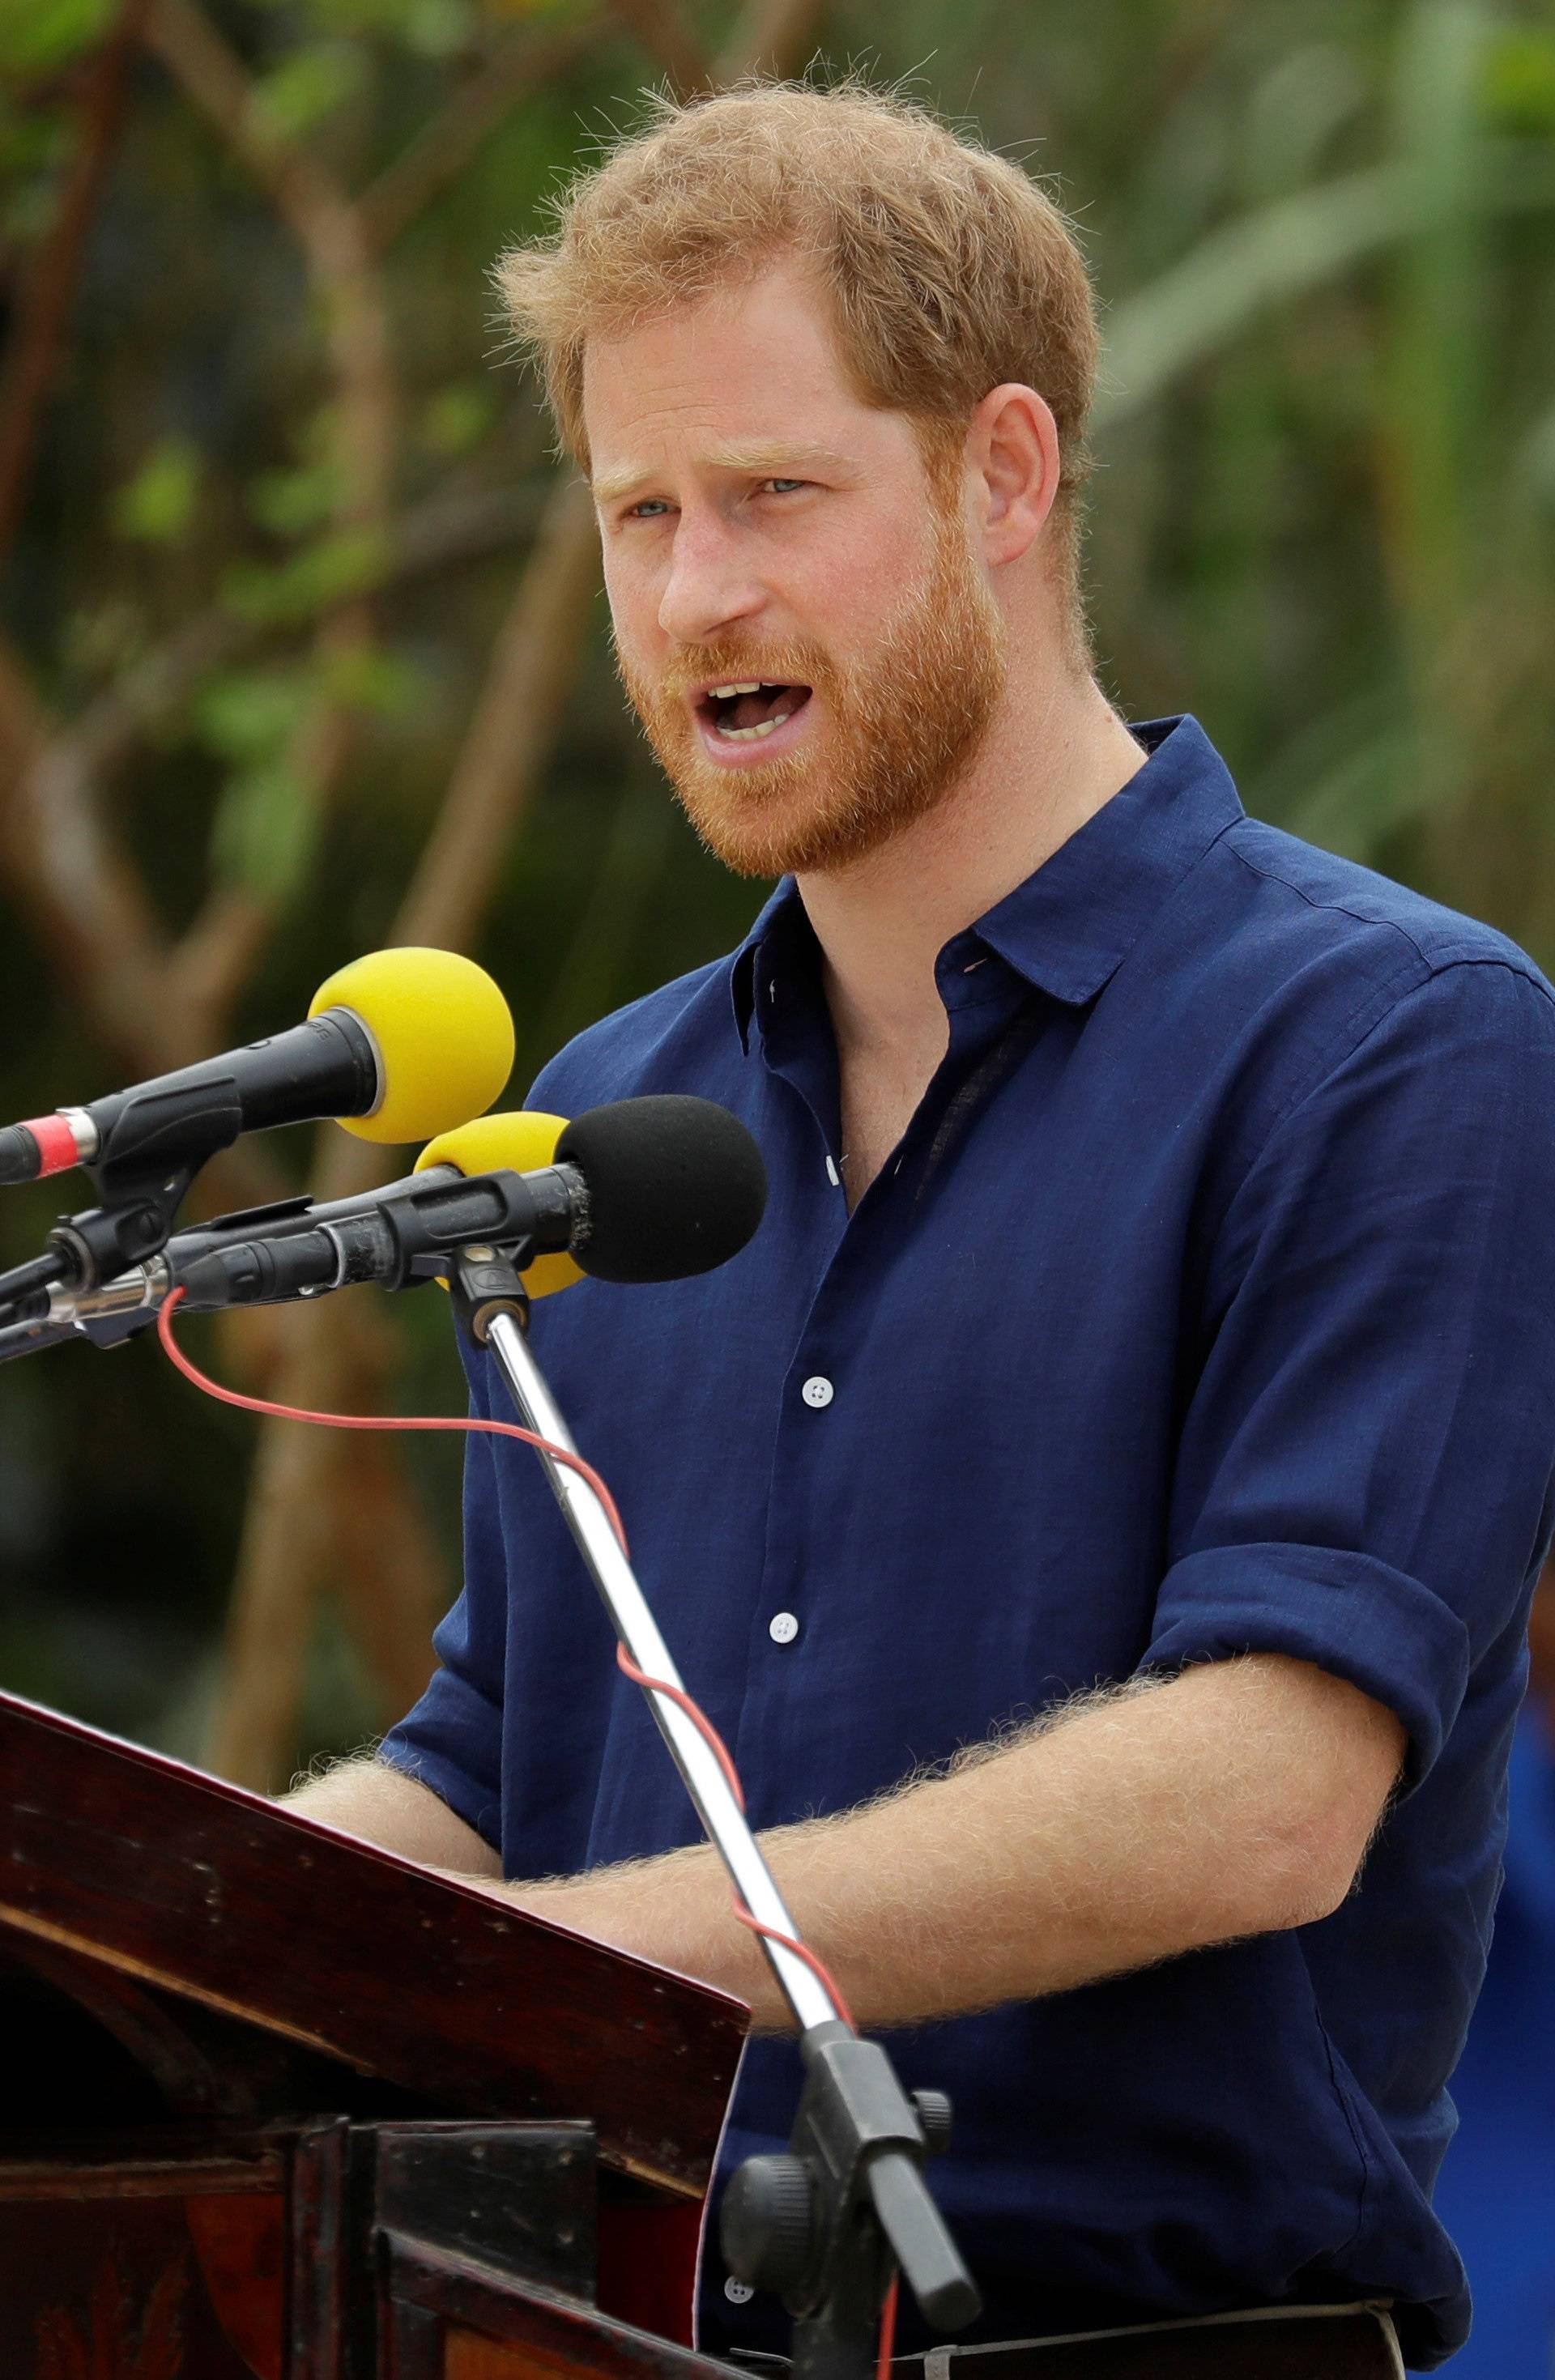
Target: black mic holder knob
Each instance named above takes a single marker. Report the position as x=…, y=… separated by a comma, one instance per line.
x=932, y=2109
x=767, y=2223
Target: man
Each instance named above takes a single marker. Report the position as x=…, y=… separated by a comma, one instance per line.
x=1103, y=1500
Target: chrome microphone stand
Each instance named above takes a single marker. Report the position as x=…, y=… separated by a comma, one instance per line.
x=823, y=2225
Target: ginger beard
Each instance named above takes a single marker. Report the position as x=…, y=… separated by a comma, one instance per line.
x=899, y=727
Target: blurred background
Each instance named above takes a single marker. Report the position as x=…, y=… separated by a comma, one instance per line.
x=301, y=647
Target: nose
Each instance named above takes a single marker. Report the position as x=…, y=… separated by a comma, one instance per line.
x=710, y=584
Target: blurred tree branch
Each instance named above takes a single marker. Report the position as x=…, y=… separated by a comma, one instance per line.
x=669, y=41
x=226, y=939
x=33, y=349
x=445, y=146
x=330, y=230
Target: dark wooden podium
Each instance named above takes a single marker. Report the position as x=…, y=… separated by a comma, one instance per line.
x=280, y=2107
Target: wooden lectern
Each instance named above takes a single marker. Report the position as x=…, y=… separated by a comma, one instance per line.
x=281, y=2106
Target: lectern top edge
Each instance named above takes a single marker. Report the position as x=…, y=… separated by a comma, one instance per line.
x=123, y=1857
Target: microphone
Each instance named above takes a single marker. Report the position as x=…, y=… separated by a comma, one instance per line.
x=400, y=1043
x=675, y=1185
x=651, y=1189
x=520, y=1142
x=646, y=1189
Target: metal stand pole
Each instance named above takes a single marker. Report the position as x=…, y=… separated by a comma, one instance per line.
x=822, y=2225
x=635, y=1625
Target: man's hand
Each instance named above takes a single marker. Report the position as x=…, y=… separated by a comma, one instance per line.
x=1135, y=1823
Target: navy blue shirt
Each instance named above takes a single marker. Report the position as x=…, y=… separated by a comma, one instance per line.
x=1207, y=1306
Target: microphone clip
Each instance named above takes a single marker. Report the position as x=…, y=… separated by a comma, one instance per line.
x=485, y=1282
x=141, y=1174
x=141, y=1171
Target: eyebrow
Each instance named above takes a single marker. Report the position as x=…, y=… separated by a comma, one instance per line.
x=761, y=458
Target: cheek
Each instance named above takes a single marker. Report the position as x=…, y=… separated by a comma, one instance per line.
x=864, y=581
x=632, y=596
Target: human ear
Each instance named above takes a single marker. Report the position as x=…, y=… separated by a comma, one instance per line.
x=1011, y=450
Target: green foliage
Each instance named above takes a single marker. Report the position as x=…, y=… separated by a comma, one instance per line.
x=158, y=505
x=364, y=679
x=265, y=831
x=1518, y=80
x=305, y=90
x=333, y=569
x=430, y=28
x=38, y=37
x=246, y=716
x=457, y=419
x=292, y=503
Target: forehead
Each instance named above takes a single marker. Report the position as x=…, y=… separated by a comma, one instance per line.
x=747, y=372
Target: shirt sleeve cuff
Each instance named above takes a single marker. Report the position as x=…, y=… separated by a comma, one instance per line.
x=1347, y=1613
x=424, y=1745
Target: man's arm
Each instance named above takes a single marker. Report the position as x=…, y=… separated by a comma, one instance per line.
x=382, y=1804
x=1237, y=1798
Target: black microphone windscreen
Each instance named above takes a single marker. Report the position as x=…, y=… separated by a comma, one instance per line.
x=675, y=1186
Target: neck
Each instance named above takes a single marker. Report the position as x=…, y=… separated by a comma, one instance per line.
x=1054, y=754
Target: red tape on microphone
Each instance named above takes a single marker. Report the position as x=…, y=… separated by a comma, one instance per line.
x=57, y=1151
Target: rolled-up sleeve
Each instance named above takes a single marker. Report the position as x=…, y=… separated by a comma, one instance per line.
x=451, y=1741
x=1365, y=1467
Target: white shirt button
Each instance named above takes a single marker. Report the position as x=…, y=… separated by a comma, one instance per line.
x=738, y=2293
x=817, y=1390
x=783, y=1628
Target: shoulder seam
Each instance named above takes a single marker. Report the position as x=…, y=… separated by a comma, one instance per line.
x=1389, y=925
x=1515, y=961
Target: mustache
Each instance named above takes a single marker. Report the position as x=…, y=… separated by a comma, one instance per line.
x=729, y=664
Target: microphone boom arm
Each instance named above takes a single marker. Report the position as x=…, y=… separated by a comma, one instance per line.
x=823, y=2224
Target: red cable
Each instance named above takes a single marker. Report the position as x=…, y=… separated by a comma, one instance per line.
x=575, y=1462
x=888, y=2330
x=378, y=1421
x=698, y=1718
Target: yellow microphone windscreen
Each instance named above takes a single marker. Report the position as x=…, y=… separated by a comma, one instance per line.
x=517, y=1143
x=444, y=1033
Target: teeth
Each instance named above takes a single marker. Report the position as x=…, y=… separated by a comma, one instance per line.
x=724, y=693
x=762, y=726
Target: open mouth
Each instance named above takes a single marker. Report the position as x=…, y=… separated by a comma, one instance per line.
x=747, y=712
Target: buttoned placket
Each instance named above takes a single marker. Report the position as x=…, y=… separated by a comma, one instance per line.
x=980, y=997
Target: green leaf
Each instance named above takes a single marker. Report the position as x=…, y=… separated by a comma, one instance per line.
x=370, y=680
x=265, y=831
x=433, y=28
x=331, y=572
x=307, y=88
x=439, y=29
x=158, y=503
x=458, y=418
x=1537, y=462
x=38, y=37
x=248, y=716
x=292, y=503
x=1518, y=84
x=1281, y=252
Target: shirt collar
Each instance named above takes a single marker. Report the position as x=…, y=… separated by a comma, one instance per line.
x=1073, y=920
